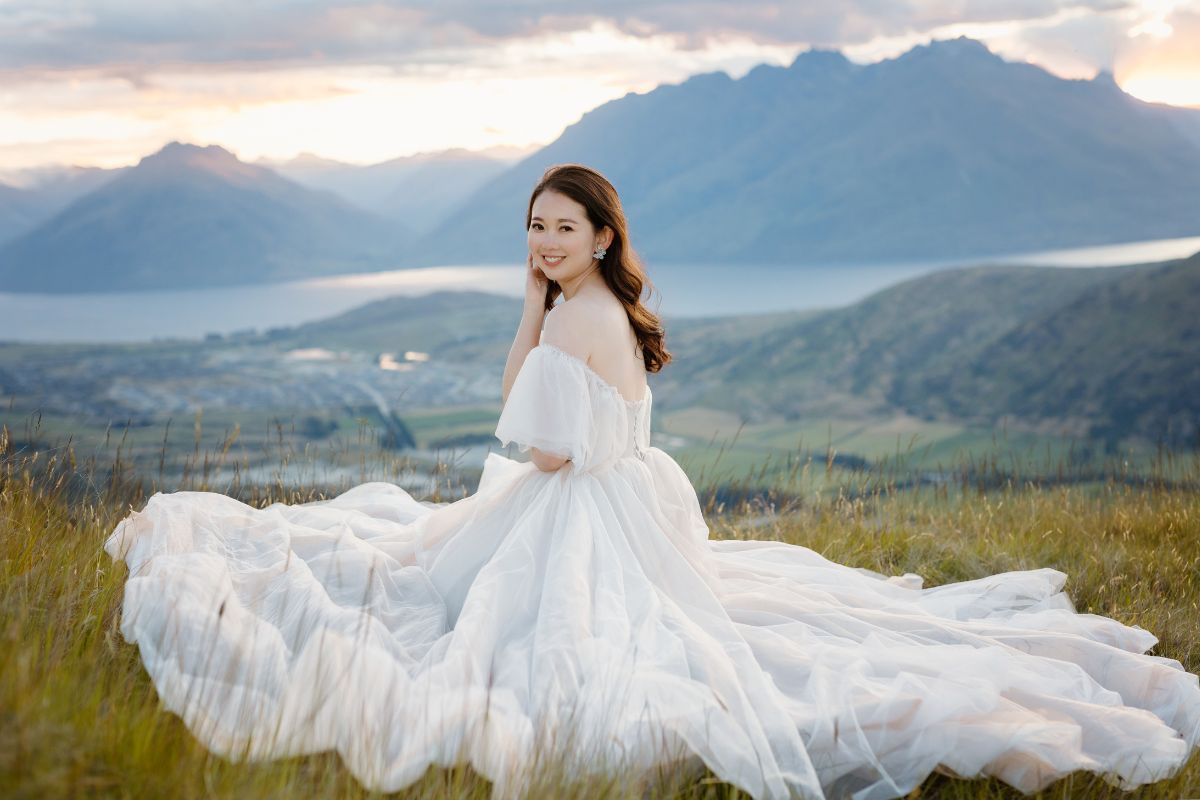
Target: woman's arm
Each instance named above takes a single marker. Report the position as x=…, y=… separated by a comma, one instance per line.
x=533, y=313
x=566, y=327
x=526, y=339
x=528, y=334
x=545, y=461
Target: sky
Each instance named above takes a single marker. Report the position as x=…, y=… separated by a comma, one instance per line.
x=105, y=82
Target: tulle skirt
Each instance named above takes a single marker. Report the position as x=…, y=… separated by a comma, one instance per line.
x=591, y=613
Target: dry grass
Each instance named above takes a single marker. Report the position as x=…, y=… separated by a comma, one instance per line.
x=81, y=718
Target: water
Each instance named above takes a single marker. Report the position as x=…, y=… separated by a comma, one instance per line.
x=684, y=290
x=192, y=313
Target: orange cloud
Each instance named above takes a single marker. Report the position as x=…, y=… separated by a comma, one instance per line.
x=1162, y=64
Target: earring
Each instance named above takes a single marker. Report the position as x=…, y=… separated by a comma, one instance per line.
x=599, y=254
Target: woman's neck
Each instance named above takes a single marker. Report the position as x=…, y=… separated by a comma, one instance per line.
x=571, y=287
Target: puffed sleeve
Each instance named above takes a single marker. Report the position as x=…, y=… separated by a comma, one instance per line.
x=549, y=406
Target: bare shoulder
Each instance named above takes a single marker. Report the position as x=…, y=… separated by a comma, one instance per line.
x=573, y=325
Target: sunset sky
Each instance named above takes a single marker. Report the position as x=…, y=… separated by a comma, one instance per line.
x=106, y=82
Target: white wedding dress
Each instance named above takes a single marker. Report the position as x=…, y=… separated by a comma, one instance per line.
x=589, y=606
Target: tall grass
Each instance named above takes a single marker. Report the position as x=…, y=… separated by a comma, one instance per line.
x=79, y=716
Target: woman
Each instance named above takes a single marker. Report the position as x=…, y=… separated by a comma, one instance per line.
x=575, y=602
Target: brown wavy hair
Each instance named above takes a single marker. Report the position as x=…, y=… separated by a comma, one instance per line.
x=621, y=268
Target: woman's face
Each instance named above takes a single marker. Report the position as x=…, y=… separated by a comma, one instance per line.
x=560, y=237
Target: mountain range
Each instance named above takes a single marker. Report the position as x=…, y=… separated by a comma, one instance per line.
x=189, y=217
x=39, y=193
x=418, y=190
x=945, y=152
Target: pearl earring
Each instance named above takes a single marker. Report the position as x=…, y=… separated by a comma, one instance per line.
x=600, y=251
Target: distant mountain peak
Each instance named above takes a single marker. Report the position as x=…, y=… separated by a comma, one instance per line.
x=175, y=156
x=958, y=48
x=185, y=151
x=190, y=216
x=1105, y=78
x=312, y=159
x=718, y=76
x=819, y=58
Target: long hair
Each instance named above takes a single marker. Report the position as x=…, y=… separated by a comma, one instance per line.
x=621, y=268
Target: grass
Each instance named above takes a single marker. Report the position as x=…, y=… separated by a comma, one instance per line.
x=79, y=716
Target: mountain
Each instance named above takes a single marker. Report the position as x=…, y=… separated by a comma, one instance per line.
x=1102, y=353
x=39, y=193
x=20, y=210
x=1187, y=120
x=466, y=326
x=1121, y=357
x=946, y=151
x=189, y=217
x=418, y=190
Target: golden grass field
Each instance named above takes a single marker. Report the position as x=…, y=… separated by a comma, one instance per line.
x=81, y=718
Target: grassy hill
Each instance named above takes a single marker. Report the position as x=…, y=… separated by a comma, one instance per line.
x=1121, y=357
x=1105, y=354
x=1102, y=353
x=461, y=326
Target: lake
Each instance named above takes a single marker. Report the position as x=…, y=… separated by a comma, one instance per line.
x=684, y=290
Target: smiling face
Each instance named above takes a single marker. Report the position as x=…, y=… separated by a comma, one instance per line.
x=561, y=238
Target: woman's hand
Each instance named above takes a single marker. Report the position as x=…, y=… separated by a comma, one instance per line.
x=535, y=287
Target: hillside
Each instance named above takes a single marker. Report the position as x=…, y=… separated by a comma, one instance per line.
x=20, y=210
x=1104, y=353
x=1121, y=357
x=455, y=326
x=36, y=194
x=947, y=151
x=189, y=217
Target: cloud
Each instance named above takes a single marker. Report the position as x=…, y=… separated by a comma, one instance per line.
x=1162, y=62
x=49, y=35
x=1172, y=39
x=272, y=77
x=133, y=36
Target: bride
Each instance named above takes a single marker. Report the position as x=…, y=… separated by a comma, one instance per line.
x=576, y=597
